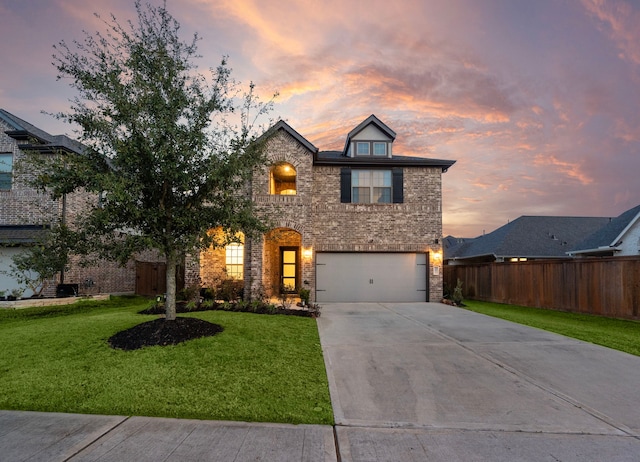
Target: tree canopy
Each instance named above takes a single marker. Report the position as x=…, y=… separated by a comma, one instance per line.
x=168, y=152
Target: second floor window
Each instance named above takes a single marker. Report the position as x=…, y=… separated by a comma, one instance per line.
x=283, y=179
x=371, y=186
x=6, y=170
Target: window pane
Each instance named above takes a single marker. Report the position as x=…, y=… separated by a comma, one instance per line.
x=362, y=149
x=379, y=149
x=382, y=195
x=361, y=195
x=6, y=167
x=289, y=256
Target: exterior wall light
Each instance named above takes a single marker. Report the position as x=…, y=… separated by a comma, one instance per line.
x=437, y=256
x=307, y=253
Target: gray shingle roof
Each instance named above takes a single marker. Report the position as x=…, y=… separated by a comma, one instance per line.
x=608, y=235
x=336, y=158
x=23, y=130
x=530, y=237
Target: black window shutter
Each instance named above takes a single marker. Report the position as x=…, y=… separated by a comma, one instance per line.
x=398, y=193
x=345, y=185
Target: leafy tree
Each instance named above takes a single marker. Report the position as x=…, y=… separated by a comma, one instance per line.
x=162, y=149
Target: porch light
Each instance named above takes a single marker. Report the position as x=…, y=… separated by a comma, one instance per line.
x=307, y=253
x=437, y=256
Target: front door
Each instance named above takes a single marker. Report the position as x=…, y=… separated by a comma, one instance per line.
x=289, y=269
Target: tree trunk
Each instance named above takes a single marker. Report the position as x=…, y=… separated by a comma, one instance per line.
x=170, y=302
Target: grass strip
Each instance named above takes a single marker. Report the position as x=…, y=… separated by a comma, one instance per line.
x=618, y=334
x=260, y=369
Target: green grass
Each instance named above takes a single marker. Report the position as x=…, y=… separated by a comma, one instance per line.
x=260, y=369
x=613, y=333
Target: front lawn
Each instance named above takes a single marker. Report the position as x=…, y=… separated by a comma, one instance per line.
x=613, y=333
x=260, y=368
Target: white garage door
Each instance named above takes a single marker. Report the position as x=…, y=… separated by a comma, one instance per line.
x=371, y=277
x=7, y=283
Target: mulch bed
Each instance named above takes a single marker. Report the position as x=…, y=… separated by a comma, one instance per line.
x=181, y=307
x=161, y=332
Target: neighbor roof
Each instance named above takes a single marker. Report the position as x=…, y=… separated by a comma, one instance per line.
x=24, y=131
x=529, y=237
x=608, y=237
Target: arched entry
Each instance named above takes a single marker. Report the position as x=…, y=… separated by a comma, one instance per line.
x=283, y=271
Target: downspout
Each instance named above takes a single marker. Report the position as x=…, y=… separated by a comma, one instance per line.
x=62, y=222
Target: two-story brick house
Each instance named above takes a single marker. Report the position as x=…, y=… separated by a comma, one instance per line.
x=361, y=224
x=26, y=213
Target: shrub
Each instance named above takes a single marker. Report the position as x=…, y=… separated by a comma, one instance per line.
x=230, y=290
x=457, y=293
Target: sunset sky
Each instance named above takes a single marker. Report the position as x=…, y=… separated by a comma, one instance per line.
x=538, y=101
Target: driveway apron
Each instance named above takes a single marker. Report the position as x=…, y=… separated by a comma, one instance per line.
x=426, y=381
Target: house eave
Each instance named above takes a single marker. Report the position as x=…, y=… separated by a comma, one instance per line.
x=384, y=162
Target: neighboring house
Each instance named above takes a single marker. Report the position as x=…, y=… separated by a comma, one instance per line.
x=26, y=214
x=620, y=237
x=526, y=238
x=361, y=224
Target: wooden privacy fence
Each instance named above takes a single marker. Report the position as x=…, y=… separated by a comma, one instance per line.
x=603, y=286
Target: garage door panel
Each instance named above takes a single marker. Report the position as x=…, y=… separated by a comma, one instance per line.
x=371, y=277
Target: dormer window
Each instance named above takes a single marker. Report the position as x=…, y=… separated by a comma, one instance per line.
x=379, y=148
x=368, y=148
x=283, y=179
x=362, y=149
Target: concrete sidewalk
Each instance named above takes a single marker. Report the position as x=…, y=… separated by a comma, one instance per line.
x=49, y=437
x=408, y=382
x=437, y=383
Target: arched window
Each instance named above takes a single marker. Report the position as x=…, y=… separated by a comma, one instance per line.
x=283, y=179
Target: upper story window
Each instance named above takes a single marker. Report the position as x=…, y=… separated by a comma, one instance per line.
x=379, y=148
x=6, y=170
x=362, y=149
x=283, y=179
x=371, y=186
x=368, y=148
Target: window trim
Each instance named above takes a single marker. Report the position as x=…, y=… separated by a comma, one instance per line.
x=373, y=186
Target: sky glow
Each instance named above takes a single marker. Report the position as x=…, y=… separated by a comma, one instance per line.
x=538, y=101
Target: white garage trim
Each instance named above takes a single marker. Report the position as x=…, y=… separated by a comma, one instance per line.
x=371, y=277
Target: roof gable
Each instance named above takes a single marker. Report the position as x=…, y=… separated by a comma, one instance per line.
x=609, y=235
x=371, y=121
x=282, y=125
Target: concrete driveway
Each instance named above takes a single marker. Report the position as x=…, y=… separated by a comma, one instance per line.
x=430, y=382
